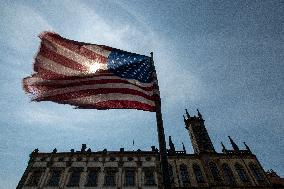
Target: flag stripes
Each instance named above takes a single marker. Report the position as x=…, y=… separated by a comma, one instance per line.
x=76, y=73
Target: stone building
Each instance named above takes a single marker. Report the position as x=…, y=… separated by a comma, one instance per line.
x=205, y=168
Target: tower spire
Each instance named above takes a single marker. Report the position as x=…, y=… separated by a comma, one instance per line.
x=199, y=114
x=234, y=145
x=247, y=148
x=187, y=114
x=223, y=147
x=171, y=144
x=183, y=147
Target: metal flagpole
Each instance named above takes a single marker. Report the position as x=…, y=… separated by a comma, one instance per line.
x=162, y=142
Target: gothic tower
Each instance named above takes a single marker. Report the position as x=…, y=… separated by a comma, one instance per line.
x=200, y=139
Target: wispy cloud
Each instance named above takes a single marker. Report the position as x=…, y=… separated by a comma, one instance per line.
x=20, y=24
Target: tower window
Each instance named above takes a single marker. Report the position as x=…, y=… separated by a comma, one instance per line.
x=92, y=178
x=184, y=175
x=74, y=178
x=198, y=173
x=228, y=173
x=215, y=172
x=54, y=178
x=149, y=177
x=242, y=173
x=110, y=177
x=256, y=172
x=129, y=177
x=34, y=178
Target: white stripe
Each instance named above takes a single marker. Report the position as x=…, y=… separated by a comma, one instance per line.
x=98, y=50
x=106, y=97
x=50, y=65
x=72, y=55
x=36, y=80
x=94, y=86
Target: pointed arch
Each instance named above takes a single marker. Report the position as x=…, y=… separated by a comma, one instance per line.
x=198, y=173
x=228, y=174
x=242, y=173
x=215, y=172
x=256, y=172
x=184, y=175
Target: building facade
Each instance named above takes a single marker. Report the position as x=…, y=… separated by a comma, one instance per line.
x=205, y=168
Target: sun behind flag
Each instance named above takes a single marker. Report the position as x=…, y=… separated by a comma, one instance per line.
x=91, y=76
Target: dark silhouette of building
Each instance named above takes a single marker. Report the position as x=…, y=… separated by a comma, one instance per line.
x=206, y=168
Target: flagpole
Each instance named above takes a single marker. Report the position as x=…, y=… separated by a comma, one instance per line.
x=162, y=142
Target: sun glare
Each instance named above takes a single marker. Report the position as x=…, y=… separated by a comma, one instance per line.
x=94, y=67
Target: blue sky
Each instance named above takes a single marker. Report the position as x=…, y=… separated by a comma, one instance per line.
x=223, y=57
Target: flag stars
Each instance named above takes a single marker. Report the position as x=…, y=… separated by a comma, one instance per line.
x=130, y=66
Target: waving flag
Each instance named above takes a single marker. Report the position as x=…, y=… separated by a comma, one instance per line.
x=91, y=76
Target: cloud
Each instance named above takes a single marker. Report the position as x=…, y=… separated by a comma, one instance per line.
x=23, y=27
x=20, y=25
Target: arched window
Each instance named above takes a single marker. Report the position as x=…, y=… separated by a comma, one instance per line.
x=198, y=173
x=242, y=173
x=130, y=177
x=74, y=178
x=34, y=178
x=184, y=175
x=228, y=173
x=55, y=177
x=256, y=172
x=149, y=177
x=215, y=172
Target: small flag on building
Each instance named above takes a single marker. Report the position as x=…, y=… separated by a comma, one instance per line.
x=91, y=76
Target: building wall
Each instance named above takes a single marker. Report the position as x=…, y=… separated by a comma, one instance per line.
x=120, y=162
x=231, y=160
x=138, y=162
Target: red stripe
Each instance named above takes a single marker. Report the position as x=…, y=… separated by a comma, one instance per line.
x=50, y=75
x=51, y=55
x=47, y=74
x=55, y=85
x=74, y=46
x=89, y=92
x=118, y=104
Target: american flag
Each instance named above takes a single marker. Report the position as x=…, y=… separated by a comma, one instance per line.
x=91, y=76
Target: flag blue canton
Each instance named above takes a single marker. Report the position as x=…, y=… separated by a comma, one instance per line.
x=130, y=66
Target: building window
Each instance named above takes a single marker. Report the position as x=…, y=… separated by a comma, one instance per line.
x=54, y=178
x=198, y=173
x=74, y=179
x=92, y=178
x=184, y=175
x=256, y=172
x=215, y=172
x=129, y=177
x=171, y=173
x=34, y=178
x=149, y=177
x=110, y=177
x=228, y=173
x=242, y=173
